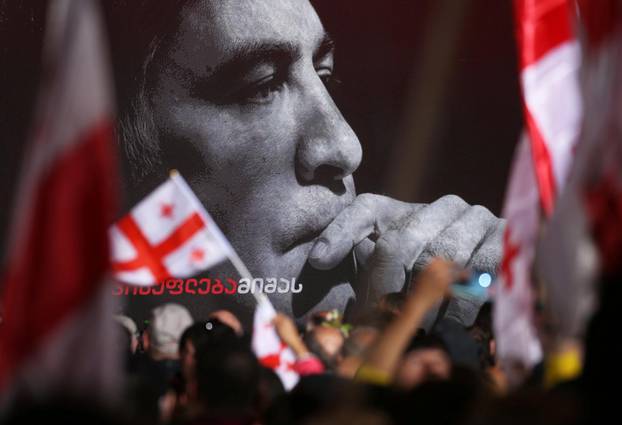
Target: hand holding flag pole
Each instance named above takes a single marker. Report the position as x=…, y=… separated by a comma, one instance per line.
x=231, y=254
x=240, y=267
x=270, y=350
x=170, y=234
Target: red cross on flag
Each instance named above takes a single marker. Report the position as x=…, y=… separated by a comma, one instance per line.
x=57, y=335
x=549, y=62
x=513, y=316
x=583, y=240
x=269, y=348
x=168, y=234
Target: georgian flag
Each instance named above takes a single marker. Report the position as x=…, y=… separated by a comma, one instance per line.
x=549, y=63
x=268, y=347
x=583, y=240
x=57, y=335
x=514, y=323
x=550, y=57
x=168, y=234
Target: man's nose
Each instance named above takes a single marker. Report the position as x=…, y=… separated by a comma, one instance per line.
x=328, y=149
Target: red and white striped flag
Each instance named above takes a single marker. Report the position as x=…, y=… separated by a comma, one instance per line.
x=550, y=57
x=269, y=348
x=57, y=333
x=549, y=63
x=168, y=234
x=583, y=240
x=517, y=341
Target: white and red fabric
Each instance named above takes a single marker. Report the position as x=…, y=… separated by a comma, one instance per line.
x=56, y=333
x=168, y=234
x=517, y=341
x=583, y=240
x=269, y=348
x=549, y=58
x=549, y=63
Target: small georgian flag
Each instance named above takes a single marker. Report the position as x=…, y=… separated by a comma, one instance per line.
x=168, y=234
x=268, y=347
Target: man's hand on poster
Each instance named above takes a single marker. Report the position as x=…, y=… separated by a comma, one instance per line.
x=391, y=238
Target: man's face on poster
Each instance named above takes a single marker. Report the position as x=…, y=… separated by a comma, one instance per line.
x=240, y=104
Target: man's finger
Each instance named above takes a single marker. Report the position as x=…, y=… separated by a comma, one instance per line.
x=461, y=238
x=487, y=256
x=426, y=224
x=384, y=271
x=397, y=249
x=368, y=214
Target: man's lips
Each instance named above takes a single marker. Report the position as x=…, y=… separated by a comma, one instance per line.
x=309, y=230
x=306, y=237
x=312, y=220
x=310, y=236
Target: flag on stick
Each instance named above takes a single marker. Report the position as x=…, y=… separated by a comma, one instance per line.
x=168, y=234
x=549, y=62
x=54, y=291
x=549, y=57
x=269, y=348
x=583, y=240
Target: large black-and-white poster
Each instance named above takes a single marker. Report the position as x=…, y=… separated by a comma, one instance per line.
x=338, y=144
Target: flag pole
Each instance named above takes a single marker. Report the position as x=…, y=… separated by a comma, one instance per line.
x=233, y=256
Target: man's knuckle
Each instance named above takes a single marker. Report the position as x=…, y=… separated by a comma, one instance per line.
x=422, y=261
x=445, y=247
x=454, y=201
x=367, y=200
x=412, y=234
x=482, y=212
x=499, y=224
x=336, y=228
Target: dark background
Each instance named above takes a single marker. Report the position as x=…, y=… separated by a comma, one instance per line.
x=382, y=48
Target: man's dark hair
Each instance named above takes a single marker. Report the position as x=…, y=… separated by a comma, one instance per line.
x=59, y=408
x=137, y=31
x=425, y=341
x=228, y=380
x=207, y=334
x=270, y=388
x=461, y=346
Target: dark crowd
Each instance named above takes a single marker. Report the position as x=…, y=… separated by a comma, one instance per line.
x=383, y=368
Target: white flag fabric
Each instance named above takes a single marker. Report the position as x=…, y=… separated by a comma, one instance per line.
x=269, y=348
x=168, y=234
x=584, y=237
x=550, y=57
x=515, y=331
x=55, y=292
x=549, y=62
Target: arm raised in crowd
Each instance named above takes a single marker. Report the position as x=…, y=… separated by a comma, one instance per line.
x=306, y=362
x=433, y=284
x=286, y=329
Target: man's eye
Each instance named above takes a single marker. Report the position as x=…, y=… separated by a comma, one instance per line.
x=262, y=92
x=329, y=79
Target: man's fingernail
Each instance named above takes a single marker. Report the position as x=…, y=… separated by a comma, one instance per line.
x=319, y=249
